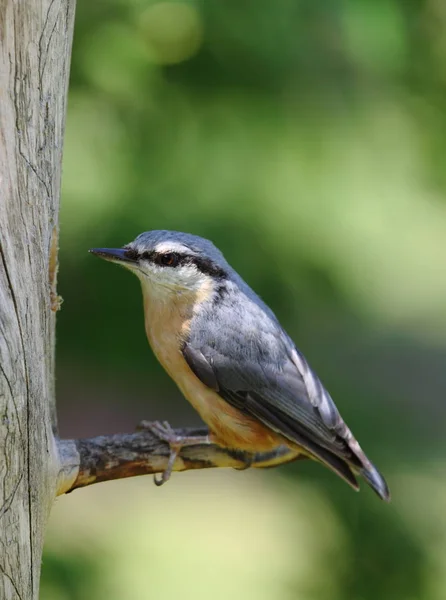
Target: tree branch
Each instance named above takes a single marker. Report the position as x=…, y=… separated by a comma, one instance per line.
x=103, y=458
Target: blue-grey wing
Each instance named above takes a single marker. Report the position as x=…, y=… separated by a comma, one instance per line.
x=254, y=366
x=275, y=392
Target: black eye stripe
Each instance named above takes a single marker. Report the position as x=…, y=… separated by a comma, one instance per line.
x=131, y=253
x=208, y=267
x=175, y=259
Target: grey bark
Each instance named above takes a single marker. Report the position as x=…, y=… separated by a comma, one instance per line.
x=35, y=49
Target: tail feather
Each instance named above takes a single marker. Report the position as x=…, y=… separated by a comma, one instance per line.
x=376, y=481
x=336, y=464
x=347, y=472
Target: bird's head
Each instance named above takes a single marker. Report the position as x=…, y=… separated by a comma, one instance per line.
x=170, y=262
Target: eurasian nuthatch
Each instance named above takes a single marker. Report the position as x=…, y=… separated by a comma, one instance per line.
x=228, y=354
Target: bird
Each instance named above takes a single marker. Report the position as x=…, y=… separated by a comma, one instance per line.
x=233, y=361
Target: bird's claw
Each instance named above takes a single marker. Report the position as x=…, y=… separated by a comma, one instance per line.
x=248, y=460
x=160, y=481
x=164, y=432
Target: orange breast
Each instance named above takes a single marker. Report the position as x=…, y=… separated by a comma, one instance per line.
x=167, y=325
x=229, y=426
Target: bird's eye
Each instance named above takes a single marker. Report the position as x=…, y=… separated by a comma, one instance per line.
x=170, y=259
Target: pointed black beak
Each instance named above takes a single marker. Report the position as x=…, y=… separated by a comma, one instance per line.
x=114, y=254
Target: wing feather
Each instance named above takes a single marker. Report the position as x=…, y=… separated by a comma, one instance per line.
x=291, y=401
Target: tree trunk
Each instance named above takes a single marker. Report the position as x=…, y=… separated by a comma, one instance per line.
x=35, y=50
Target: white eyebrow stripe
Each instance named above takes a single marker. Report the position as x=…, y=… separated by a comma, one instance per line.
x=172, y=247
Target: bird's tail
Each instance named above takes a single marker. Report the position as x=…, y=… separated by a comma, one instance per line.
x=347, y=470
x=376, y=481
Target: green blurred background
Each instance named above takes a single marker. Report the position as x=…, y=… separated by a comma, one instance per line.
x=307, y=140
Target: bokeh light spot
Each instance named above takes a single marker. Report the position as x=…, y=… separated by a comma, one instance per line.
x=173, y=31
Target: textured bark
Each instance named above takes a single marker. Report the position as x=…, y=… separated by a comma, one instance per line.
x=35, y=49
x=104, y=458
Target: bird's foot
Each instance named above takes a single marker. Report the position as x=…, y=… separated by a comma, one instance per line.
x=248, y=459
x=164, y=432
